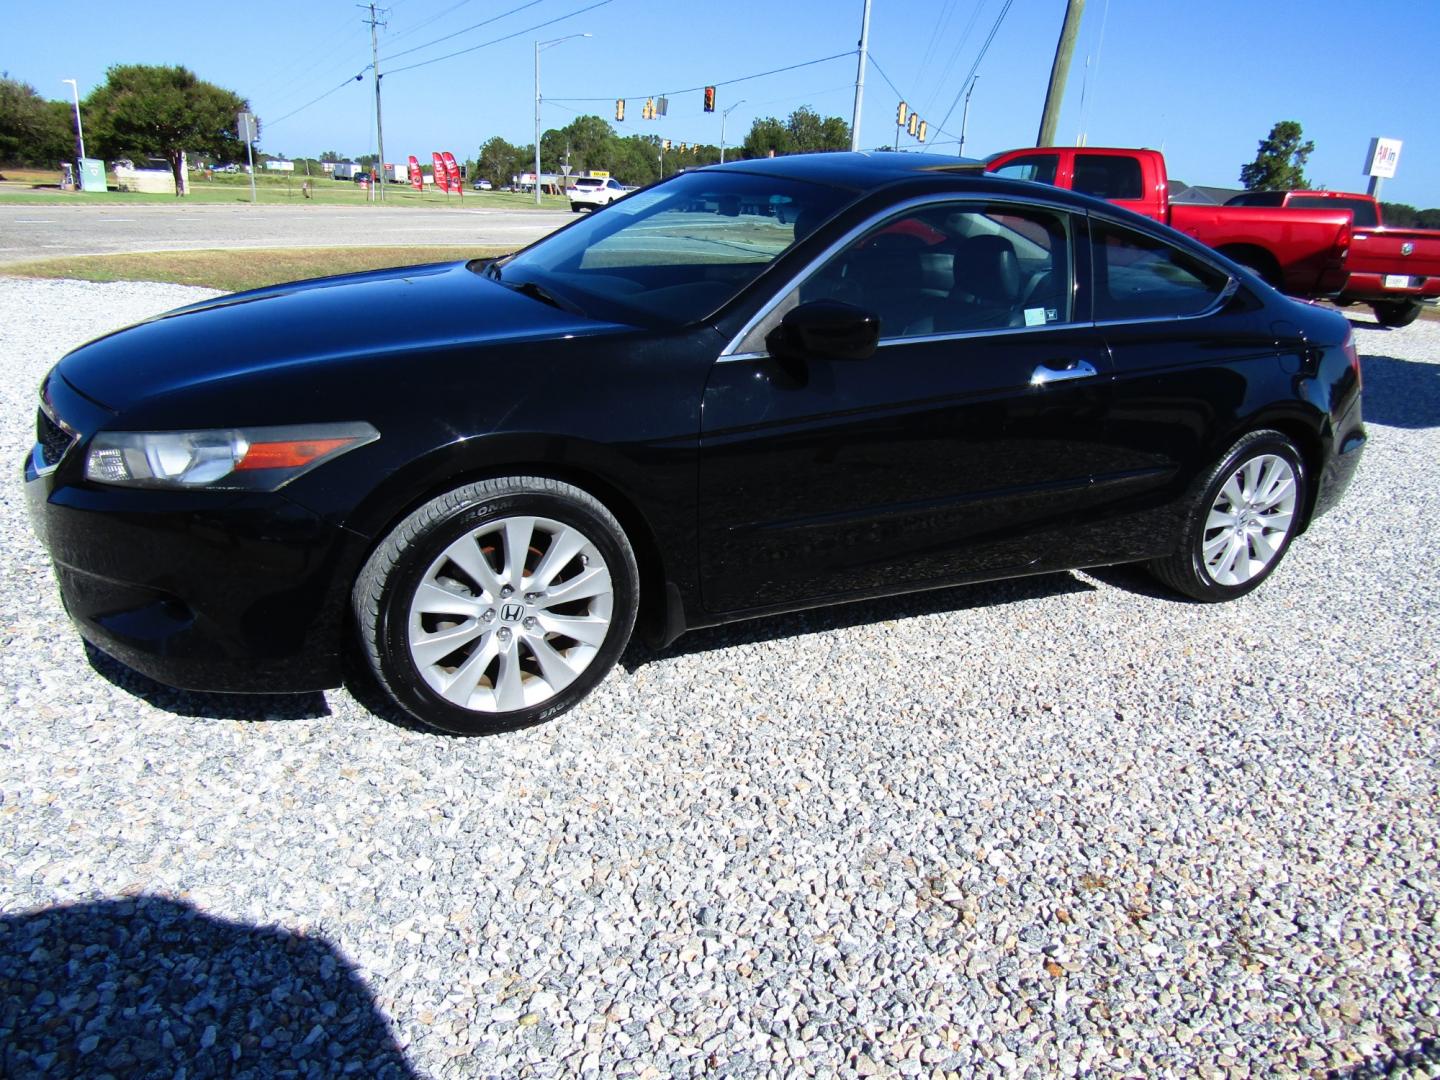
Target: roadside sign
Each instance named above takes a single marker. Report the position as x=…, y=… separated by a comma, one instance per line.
x=92, y=174
x=245, y=127
x=1382, y=158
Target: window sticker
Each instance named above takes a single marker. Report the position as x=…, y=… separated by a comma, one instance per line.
x=1035, y=316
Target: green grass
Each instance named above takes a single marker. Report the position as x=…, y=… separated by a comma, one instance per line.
x=234, y=271
x=32, y=186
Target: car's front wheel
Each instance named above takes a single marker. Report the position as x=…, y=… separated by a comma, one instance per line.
x=497, y=605
x=1241, y=522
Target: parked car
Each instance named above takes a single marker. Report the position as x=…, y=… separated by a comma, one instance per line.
x=593, y=192
x=483, y=185
x=483, y=475
x=1393, y=270
x=1302, y=253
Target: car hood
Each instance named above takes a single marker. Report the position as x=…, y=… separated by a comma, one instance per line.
x=407, y=310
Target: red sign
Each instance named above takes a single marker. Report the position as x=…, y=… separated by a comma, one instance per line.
x=452, y=173
x=416, y=180
x=442, y=180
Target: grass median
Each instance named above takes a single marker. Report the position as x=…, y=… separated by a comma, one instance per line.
x=236, y=270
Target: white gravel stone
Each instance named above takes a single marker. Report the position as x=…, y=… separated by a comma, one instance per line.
x=1065, y=825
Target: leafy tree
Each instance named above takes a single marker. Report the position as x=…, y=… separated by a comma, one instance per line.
x=333, y=156
x=1401, y=215
x=34, y=131
x=1279, y=163
x=499, y=161
x=1428, y=219
x=767, y=135
x=164, y=111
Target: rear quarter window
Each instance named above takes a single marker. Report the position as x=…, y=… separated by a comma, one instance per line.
x=1139, y=277
x=1108, y=176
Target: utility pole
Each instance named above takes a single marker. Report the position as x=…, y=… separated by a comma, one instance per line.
x=860, y=77
x=374, y=21
x=725, y=115
x=965, y=116
x=79, y=131
x=539, y=47
x=1059, y=72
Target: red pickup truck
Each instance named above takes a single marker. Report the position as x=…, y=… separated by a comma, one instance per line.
x=1392, y=270
x=1303, y=252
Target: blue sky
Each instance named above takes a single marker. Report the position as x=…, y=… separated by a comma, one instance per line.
x=1202, y=81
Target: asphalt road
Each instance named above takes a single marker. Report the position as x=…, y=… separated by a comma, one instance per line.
x=44, y=231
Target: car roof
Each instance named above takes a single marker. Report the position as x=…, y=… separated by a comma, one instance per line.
x=858, y=170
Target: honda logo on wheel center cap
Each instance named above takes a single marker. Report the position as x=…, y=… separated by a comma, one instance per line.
x=512, y=612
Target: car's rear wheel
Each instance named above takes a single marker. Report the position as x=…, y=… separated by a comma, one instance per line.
x=1396, y=313
x=1242, y=519
x=497, y=605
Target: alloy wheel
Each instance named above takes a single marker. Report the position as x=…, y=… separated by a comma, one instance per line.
x=1249, y=520
x=510, y=614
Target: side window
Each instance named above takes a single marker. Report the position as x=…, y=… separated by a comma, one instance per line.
x=1037, y=167
x=1138, y=277
x=955, y=268
x=1108, y=176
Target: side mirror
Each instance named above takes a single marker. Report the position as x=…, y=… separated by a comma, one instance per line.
x=826, y=330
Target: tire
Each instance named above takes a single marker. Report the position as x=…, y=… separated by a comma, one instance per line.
x=445, y=607
x=575, y=208
x=1396, y=313
x=1243, y=514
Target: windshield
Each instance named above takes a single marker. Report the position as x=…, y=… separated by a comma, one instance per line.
x=676, y=252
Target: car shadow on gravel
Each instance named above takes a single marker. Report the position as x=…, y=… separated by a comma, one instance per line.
x=206, y=706
x=1400, y=393
x=857, y=613
x=150, y=987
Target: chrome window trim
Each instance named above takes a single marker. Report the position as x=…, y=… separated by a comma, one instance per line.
x=1227, y=291
x=729, y=353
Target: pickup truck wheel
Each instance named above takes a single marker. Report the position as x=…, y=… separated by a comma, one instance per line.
x=497, y=605
x=1396, y=313
x=1242, y=518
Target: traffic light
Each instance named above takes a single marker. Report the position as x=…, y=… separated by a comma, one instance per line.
x=901, y=113
x=648, y=113
x=924, y=126
x=620, y=108
x=665, y=145
x=709, y=99
x=913, y=124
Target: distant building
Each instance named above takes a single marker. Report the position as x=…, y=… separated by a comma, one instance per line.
x=1181, y=192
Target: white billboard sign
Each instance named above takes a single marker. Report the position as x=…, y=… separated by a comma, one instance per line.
x=1382, y=158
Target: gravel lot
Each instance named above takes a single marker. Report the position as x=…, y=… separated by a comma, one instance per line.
x=1057, y=826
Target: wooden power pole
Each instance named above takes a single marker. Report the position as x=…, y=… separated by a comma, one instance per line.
x=1059, y=72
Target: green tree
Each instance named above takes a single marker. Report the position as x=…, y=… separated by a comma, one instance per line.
x=1279, y=163
x=34, y=131
x=1428, y=219
x=499, y=161
x=164, y=111
x=767, y=135
x=1401, y=215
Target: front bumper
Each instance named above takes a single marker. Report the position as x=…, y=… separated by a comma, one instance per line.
x=203, y=591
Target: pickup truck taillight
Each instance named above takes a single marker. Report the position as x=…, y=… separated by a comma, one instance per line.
x=1353, y=355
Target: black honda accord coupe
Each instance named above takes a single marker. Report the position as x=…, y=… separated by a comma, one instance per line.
x=747, y=389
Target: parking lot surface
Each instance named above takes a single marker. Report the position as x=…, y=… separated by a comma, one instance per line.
x=46, y=231
x=1065, y=825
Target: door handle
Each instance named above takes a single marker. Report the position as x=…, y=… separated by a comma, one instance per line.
x=1044, y=374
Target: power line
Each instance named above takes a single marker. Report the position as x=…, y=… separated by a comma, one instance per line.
x=722, y=82
x=955, y=53
x=496, y=41
x=999, y=19
x=322, y=97
x=881, y=72
x=457, y=33
x=426, y=22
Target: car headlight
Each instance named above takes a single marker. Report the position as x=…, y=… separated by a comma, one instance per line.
x=236, y=459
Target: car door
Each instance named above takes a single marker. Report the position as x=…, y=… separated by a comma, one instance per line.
x=1188, y=348
x=959, y=449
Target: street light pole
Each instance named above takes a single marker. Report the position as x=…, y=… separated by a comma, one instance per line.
x=860, y=77
x=540, y=45
x=79, y=131
x=965, y=116
x=725, y=115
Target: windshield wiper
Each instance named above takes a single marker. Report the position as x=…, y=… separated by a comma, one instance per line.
x=544, y=295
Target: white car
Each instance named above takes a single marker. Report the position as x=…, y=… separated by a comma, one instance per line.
x=594, y=191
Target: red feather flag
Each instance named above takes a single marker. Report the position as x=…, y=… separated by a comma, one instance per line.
x=442, y=181
x=452, y=172
x=416, y=180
